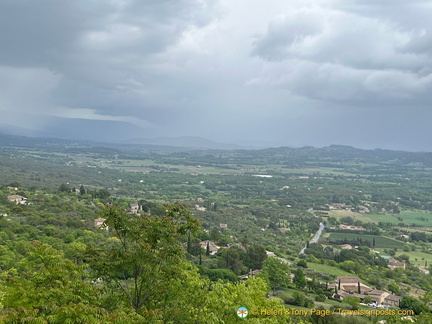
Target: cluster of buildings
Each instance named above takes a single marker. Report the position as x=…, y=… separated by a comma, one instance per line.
x=351, y=227
x=352, y=286
x=342, y=206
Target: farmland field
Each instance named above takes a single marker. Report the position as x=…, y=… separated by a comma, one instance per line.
x=420, y=256
x=348, y=213
x=381, y=242
x=417, y=218
x=323, y=268
x=385, y=218
x=407, y=217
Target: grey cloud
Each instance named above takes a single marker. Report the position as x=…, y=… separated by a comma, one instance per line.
x=339, y=83
x=45, y=32
x=286, y=32
x=352, y=57
x=104, y=53
x=342, y=38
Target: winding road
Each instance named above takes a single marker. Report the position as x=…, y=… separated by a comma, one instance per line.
x=315, y=238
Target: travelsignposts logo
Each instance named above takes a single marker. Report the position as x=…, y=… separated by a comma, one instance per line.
x=242, y=312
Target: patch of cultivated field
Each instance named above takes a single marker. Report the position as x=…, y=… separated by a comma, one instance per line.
x=408, y=217
x=416, y=217
x=311, y=171
x=385, y=218
x=381, y=242
x=348, y=213
x=418, y=258
x=323, y=268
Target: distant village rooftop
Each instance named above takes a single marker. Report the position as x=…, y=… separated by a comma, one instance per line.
x=18, y=199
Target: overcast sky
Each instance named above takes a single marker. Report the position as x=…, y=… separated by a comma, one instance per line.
x=274, y=72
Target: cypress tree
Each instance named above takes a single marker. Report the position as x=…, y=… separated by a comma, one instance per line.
x=208, y=248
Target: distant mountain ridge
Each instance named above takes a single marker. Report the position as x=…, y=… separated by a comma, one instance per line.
x=184, y=141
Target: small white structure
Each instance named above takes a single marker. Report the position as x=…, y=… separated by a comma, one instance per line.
x=19, y=200
x=135, y=209
x=99, y=222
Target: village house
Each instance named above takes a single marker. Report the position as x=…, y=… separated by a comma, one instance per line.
x=339, y=206
x=402, y=237
x=200, y=208
x=378, y=296
x=392, y=300
x=213, y=248
x=19, y=200
x=351, y=284
x=351, y=227
x=363, y=209
x=224, y=226
x=270, y=254
x=346, y=247
x=12, y=188
x=342, y=294
x=135, y=208
x=393, y=264
x=98, y=222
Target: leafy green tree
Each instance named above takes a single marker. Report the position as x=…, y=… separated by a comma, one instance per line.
x=367, y=300
x=103, y=194
x=15, y=184
x=393, y=288
x=277, y=272
x=256, y=254
x=223, y=299
x=299, y=279
x=232, y=259
x=64, y=187
x=218, y=274
x=414, y=304
x=354, y=302
x=302, y=263
x=148, y=253
x=299, y=298
x=82, y=190
x=49, y=287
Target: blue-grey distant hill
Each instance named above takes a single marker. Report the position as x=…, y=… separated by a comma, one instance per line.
x=184, y=141
x=78, y=129
x=106, y=131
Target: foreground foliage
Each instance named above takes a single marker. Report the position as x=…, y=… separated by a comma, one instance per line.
x=141, y=276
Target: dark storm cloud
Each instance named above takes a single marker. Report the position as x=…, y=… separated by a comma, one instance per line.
x=101, y=53
x=48, y=32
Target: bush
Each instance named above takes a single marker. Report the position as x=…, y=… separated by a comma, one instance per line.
x=320, y=298
x=302, y=263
